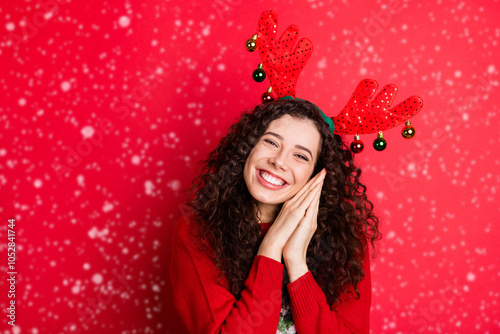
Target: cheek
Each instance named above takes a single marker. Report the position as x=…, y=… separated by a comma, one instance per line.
x=250, y=159
x=303, y=176
x=255, y=154
x=248, y=164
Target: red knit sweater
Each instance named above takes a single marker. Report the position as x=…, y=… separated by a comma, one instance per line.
x=207, y=307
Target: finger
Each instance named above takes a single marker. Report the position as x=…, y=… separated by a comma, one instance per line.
x=316, y=204
x=316, y=179
x=312, y=210
x=309, y=198
x=308, y=187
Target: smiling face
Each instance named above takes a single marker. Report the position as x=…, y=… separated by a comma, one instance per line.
x=281, y=162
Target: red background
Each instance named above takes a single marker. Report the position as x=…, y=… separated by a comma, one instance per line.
x=143, y=90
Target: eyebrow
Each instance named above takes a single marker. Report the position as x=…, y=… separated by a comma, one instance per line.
x=297, y=146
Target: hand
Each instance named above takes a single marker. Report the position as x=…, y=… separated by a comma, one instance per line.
x=295, y=250
x=291, y=214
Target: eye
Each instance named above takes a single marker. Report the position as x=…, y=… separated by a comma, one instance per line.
x=300, y=156
x=270, y=142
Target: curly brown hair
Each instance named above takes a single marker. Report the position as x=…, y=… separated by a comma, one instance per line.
x=227, y=214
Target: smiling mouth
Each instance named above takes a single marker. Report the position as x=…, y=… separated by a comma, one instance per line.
x=271, y=179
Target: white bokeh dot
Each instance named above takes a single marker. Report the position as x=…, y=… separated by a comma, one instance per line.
x=97, y=278
x=136, y=160
x=65, y=86
x=175, y=185
x=124, y=21
x=87, y=131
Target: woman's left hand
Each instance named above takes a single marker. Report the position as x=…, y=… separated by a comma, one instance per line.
x=295, y=250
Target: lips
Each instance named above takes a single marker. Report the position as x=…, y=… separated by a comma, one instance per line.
x=270, y=180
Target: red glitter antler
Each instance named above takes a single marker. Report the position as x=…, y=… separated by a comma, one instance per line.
x=361, y=115
x=280, y=60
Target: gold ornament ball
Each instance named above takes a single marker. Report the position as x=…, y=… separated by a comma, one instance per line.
x=408, y=132
x=251, y=45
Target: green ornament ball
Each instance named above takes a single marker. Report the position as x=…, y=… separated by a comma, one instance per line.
x=379, y=144
x=259, y=75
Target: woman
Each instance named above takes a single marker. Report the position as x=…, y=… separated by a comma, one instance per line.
x=279, y=186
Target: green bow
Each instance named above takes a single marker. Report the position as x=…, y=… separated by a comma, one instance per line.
x=327, y=119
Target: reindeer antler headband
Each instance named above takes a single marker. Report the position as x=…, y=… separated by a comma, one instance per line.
x=362, y=115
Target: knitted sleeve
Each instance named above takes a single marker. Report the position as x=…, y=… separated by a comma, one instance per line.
x=208, y=307
x=312, y=314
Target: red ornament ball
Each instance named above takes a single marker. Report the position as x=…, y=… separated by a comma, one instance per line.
x=357, y=146
x=267, y=97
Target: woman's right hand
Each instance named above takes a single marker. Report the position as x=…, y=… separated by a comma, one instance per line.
x=292, y=212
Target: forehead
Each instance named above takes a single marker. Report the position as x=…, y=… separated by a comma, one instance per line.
x=297, y=131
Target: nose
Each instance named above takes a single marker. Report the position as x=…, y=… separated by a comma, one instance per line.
x=279, y=160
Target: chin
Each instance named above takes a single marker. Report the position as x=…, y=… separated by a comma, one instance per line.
x=259, y=196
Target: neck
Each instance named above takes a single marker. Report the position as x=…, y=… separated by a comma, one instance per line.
x=267, y=212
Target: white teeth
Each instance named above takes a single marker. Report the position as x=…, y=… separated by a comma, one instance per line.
x=271, y=179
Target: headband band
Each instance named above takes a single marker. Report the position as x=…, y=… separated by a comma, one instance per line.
x=327, y=119
x=364, y=113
